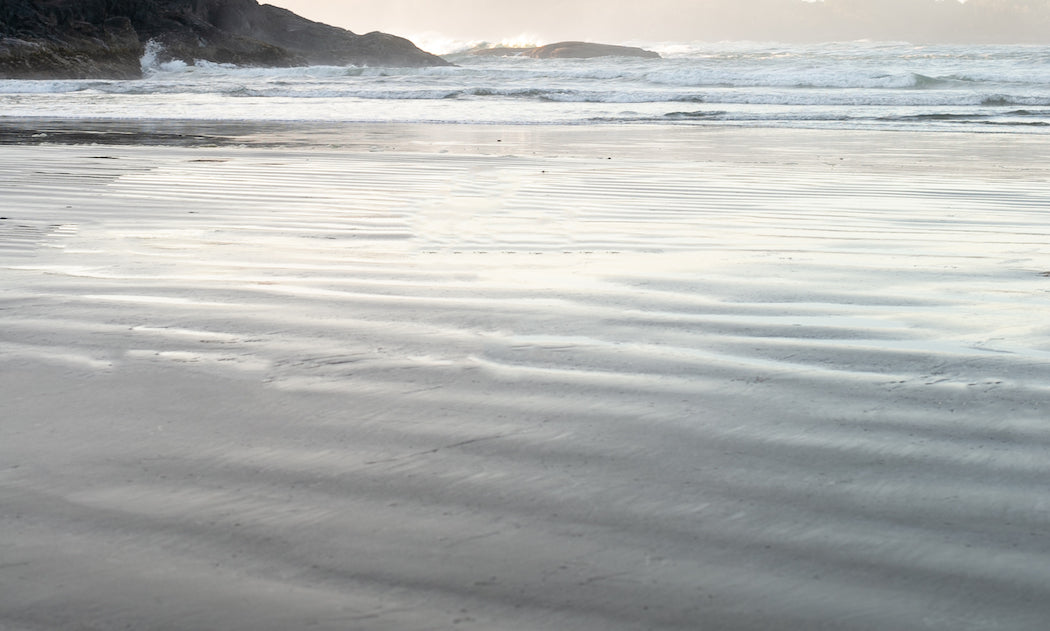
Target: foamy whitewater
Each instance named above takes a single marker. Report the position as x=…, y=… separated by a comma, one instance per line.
x=843, y=85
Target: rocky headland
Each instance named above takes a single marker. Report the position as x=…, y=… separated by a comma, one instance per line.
x=569, y=50
x=105, y=39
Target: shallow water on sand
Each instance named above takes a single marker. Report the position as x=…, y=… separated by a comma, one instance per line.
x=536, y=383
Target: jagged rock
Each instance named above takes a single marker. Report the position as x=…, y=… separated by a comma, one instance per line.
x=570, y=50
x=106, y=38
x=61, y=44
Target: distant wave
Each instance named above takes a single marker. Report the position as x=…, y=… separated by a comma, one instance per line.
x=315, y=83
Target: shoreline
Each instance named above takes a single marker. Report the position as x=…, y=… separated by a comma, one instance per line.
x=987, y=153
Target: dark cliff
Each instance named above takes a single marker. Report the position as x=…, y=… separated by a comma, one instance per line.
x=106, y=38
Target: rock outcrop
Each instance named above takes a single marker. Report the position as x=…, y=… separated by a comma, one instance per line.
x=56, y=43
x=106, y=38
x=569, y=50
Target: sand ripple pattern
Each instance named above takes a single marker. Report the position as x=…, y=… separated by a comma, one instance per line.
x=251, y=389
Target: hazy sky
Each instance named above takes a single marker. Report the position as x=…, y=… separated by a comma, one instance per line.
x=655, y=20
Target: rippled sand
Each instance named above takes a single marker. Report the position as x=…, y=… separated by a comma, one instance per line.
x=535, y=378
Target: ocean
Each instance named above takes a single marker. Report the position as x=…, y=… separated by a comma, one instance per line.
x=854, y=85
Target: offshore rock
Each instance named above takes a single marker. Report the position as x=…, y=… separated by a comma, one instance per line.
x=570, y=50
x=85, y=39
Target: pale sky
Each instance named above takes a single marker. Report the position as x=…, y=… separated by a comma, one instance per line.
x=613, y=21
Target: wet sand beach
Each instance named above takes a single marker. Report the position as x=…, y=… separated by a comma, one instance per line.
x=417, y=377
